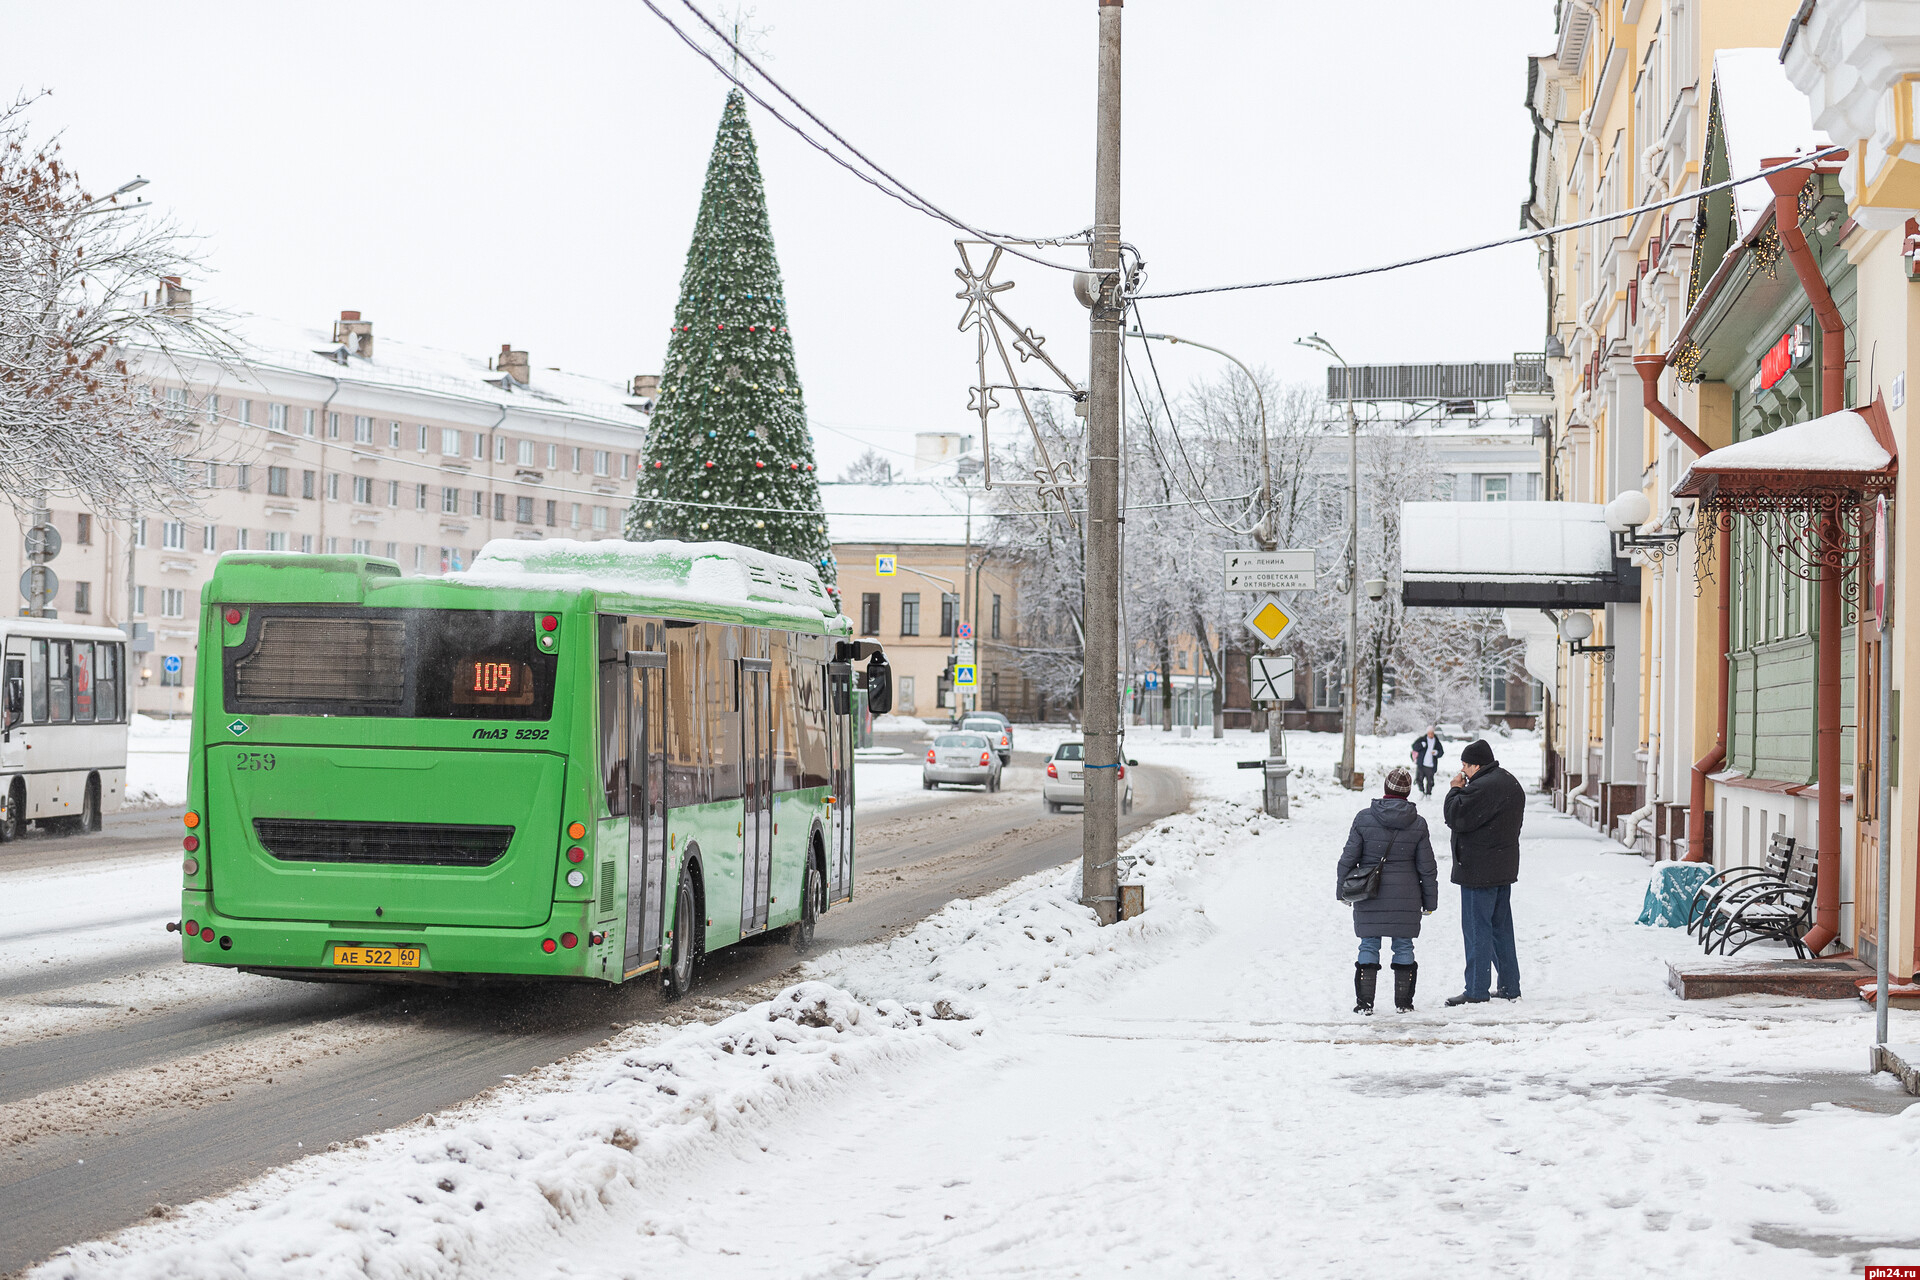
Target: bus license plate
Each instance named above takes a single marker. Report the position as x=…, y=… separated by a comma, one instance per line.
x=377, y=957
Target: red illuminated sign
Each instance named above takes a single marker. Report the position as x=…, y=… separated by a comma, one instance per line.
x=1782, y=356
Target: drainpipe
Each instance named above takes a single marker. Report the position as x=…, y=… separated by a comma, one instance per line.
x=1833, y=394
x=1649, y=367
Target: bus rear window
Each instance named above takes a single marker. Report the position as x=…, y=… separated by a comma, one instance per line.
x=455, y=664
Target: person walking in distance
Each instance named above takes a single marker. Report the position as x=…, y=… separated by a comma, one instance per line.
x=1427, y=750
x=1484, y=809
x=1389, y=843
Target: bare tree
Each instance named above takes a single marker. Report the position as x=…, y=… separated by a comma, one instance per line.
x=81, y=289
x=869, y=468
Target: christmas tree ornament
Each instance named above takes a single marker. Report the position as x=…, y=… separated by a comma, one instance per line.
x=739, y=396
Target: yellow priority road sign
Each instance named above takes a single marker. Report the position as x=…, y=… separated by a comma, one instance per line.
x=1268, y=620
x=885, y=566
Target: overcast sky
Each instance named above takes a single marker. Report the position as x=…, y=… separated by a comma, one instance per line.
x=478, y=173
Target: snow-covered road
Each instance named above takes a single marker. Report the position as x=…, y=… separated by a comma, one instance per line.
x=1007, y=1091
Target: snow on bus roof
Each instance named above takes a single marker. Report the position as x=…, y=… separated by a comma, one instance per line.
x=720, y=573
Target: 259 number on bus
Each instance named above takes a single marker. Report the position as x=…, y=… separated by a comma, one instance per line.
x=254, y=762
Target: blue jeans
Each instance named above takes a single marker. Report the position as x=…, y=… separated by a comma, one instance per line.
x=1486, y=924
x=1370, y=951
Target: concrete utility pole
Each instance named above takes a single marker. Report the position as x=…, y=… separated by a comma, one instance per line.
x=1100, y=830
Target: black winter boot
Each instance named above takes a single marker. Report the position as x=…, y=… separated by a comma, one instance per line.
x=1405, y=976
x=1364, y=977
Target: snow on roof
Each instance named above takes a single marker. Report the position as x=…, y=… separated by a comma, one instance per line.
x=1842, y=441
x=1503, y=541
x=903, y=511
x=1761, y=116
x=415, y=366
x=695, y=572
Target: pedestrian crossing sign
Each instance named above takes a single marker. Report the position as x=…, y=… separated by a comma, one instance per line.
x=1268, y=620
x=964, y=675
x=885, y=566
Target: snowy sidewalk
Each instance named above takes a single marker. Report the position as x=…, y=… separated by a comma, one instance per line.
x=1016, y=1093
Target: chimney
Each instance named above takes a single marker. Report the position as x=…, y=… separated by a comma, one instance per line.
x=174, y=300
x=644, y=386
x=515, y=363
x=355, y=334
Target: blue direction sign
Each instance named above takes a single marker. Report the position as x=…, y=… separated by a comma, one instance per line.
x=172, y=664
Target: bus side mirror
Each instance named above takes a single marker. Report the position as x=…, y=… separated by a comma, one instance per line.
x=879, y=685
x=15, y=702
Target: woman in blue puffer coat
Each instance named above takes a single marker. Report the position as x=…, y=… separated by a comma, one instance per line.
x=1390, y=831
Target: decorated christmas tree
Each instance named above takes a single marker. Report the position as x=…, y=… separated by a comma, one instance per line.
x=729, y=457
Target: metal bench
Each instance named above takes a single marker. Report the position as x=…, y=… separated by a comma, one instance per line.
x=1781, y=912
x=1720, y=888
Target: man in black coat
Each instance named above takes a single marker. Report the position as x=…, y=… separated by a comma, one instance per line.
x=1484, y=810
x=1427, y=750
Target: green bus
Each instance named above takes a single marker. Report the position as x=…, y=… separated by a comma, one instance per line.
x=592, y=760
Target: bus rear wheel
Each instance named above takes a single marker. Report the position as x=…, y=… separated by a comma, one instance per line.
x=812, y=898
x=13, y=810
x=90, y=807
x=684, y=964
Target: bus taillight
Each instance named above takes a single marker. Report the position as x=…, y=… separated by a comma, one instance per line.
x=569, y=941
x=191, y=821
x=546, y=945
x=191, y=929
x=191, y=844
x=549, y=623
x=576, y=830
x=576, y=854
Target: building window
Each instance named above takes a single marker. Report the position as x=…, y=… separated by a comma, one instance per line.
x=83, y=597
x=419, y=557
x=393, y=493
x=626, y=466
x=393, y=434
x=362, y=429
x=213, y=408
x=996, y=617
x=333, y=486
x=276, y=540
x=479, y=503
x=277, y=481
x=312, y=416
x=363, y=490
x=420, y=498
x=333, y=546
x=576, y=459
x=1493, y=488
x=1326, y=691
x=333, y=426
x=173, y=602
x=173, y=535
x=246, y=413
x=243, y=477
x=449, y=442
x=499, y=506
x=523, y=510
x=499, y=447
x=306, y=544
x=553, y=457
x=362, y=547
x=479, y=446
x=910, y=613
x=422, y=445
x=306, y=485
x=906, y=695
x=1494, y=687
x=140, y=602
x=576, y=515
x=450, y=502
x=600, y=462
x=82, y=530
x=277, y=418
x=526, y=453
x=949, y=612
x=213, y=475
x=242, y=539
x=393, y=551
x=210, y=538
x=140, y=533
x=599, y=519
x=870, y=613
x=553, y=513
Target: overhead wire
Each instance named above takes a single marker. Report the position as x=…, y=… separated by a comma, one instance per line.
x=1218, y=521
x=898, y=190
x=1523, y=238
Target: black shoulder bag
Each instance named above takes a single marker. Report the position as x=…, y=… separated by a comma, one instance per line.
x=1363, y=882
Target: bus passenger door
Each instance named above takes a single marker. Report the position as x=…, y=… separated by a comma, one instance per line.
x=646, y=806
x=756, y=784
x=840, y=780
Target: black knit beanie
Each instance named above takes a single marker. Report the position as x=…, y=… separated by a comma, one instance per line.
x=1478, y=753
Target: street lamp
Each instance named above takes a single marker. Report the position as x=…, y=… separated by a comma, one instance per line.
x=1318, y=343
x=110, y=202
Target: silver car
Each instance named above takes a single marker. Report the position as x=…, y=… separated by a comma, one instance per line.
x=998, y=732
x=963, y=760
x=1066, y=779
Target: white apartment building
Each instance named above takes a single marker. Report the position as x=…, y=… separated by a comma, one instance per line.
x=324, y=441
